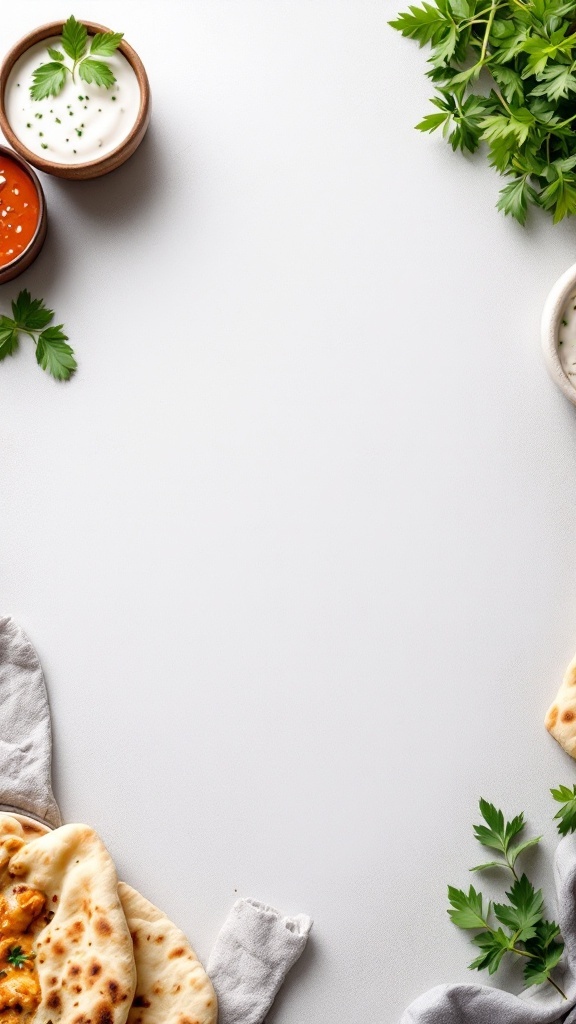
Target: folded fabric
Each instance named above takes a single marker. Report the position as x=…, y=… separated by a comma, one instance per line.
x=25, y=731
x=478, y=1004
x=253, y=954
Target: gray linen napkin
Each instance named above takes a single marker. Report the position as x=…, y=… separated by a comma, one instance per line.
x=25, y=732
x=253, y=954
x=478, y=1004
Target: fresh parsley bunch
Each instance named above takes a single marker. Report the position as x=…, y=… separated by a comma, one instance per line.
x=31, y=316
x=517, y=927
x=505, y=74
x=49, y=79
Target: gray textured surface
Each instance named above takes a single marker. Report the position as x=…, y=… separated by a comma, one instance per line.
x=297, y=547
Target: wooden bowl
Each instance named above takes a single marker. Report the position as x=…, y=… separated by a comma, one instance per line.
x=33, y=829
x=551, y=320
x=29, y=254
x=93, y=168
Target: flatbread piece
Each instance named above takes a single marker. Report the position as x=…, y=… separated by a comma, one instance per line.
x=561, y=716
x=172, y=985
x=76, y=942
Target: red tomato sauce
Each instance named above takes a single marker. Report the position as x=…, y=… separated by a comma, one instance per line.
x=19, y=210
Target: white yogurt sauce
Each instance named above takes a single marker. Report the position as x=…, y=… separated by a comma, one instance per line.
x=567, y=338
x=83, y=122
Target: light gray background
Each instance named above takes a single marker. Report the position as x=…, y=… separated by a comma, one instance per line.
x=297, y=545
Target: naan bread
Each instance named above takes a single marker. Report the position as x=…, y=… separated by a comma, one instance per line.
x=172, y=986
x=83, y=946
x=561, y=717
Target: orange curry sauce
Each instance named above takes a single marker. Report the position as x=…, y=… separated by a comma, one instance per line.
x=19, y=210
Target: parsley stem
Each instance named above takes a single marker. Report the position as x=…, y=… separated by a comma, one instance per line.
x=557, y=987
x=488, y=28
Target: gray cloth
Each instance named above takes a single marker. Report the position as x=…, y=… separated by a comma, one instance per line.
x=253, y=953
x=25, y=732
x=478, y=1004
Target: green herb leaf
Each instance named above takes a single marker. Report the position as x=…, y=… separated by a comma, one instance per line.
x=54, y=355
x=30, y=314
x=560, y=197
x=96, y=71
x=490, y=864
x=556, y=82
x=514, y=199
x=425, y=24
x=431, y=122
x=566, y=816
x=494, y=946
x=17, y=957
x=510, y=83
x=8, y=337
x=466, y=909
x=515, y=851
x=74, y=38
x=497, y=832
x=55, y=54
x=546, y=948
x=523, y=912
x=104, y=44
x=48, y=80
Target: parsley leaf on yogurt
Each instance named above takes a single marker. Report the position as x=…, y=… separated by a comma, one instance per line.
x=49, y=79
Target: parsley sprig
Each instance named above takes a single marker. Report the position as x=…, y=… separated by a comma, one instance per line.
x=517, y=927
x=566, y=816
x=526, y=50
x=17, y=957
x=49, y=79
x=497, y=834
x=32, y=317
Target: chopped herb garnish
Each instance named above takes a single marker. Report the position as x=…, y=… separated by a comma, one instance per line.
x=49, y=79
x=17, y=957
x=58, y=121
x=564, y=323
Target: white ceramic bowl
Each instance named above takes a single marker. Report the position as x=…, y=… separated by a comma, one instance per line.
x=551, y=318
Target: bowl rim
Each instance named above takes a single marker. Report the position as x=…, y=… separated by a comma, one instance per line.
x=54, y=28
x=26, y=817
x=41, y=222
x=551, y=316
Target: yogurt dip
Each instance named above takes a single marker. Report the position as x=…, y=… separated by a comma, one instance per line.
x=567, y=338
x=83, y=122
